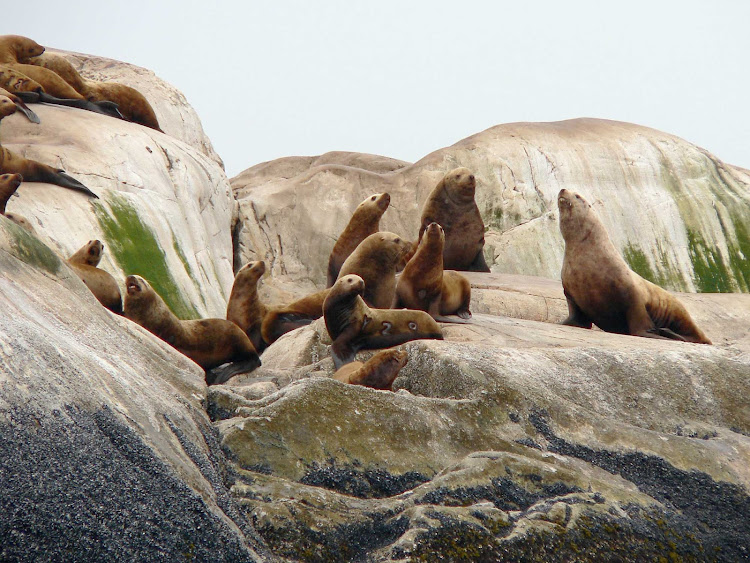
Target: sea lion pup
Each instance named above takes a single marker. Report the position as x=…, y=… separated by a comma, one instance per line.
x=208, y=342
x=376, y=260
x=425, y=286
x=353, y=326
x=245, y=308
x=279, y=321
x=600, y=287
x=131, y=103
x=84, y=263
x=378, y=372
x=365, y=221
x=31, y=170
x=20, y=105
x=451, y=204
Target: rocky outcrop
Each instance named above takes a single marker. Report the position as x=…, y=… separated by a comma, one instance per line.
x=677, y=213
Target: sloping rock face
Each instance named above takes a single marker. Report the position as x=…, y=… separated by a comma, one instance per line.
x=105, y=450
x=165, y=209
x=677, y=213
x=512, y=439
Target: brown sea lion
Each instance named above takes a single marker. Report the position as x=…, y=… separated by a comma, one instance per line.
x=20, y=105
x=131, y=103
x=425, y=286
x=17, y=48
x=210, y=343
x=8, y=185
x=601, y=289
x=31, y=170
x=378, y=372
x=84, y=263
x=376, y=260
x=21, y=221
x=245, y=308
x=451, y=204
x=354, y=326
x=279, y=321
x=365, y=221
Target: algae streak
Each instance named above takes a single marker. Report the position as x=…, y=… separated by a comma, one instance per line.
x=137, y=251
x=31, y=250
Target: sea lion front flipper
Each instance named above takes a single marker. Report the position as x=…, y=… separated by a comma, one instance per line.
x=24, y=109
x=223, y=373
x=66, y=181
x=108, y=108
x=479, y=264
x=576, y=317
x=342, y=353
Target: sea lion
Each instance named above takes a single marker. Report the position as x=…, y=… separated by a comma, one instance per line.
x=21, y=221
x=354, y=326
x=425, y=286
x=376, y=260
x=279, y=321
x=378, y=372
x=131, y=103
x=17, y=48
x=245, y=308
x=451, y=204
x=365, y=221
x=20, y=105
x=8, y=185
x=84, y=263
x=601, y=289
x=31, y=170
x=210, y=343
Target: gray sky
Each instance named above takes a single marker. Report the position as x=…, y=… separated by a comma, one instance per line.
x=401, y=79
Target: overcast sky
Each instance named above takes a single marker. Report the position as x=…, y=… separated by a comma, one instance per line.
x=401, y=79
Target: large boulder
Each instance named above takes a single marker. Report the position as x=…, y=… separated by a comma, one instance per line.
x=677, y=213
x=105, y=450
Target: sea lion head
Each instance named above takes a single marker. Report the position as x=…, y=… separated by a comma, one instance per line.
x=460, y=185
x=377, y=202
x=9, y=184
x=252, y=271
x=396, y=359
x=7, y=107
x=23, y=47
x=399, y=249
x=21, y=221
x=575, y=215
x=348, y=285
x=434, y=232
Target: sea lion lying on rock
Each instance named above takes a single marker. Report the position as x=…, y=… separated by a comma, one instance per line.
x=84, y=263
x=354, y=326
x=601, y=289
x=425, y=286
x=210, y=343
x=451, y=204
x=378, y=372
x=365, y=221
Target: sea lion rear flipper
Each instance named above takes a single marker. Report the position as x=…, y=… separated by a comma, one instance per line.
x=24, y=109
x=454, y=320
x=223, y=373
x=66, y=181
x=665, y=333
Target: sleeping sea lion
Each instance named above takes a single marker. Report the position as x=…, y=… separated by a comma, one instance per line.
x=378, y=372
x=280, y=320
x=132, y=105
x=376, y=260
x=365, y=221
x=601, y=289
x=210, y=343
x=20, y=105
x=245, y=308
x=84, y=263
x=425, y=286
x=354, y=326
x=451, y=204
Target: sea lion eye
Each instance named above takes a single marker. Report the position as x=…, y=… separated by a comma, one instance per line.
x=412, y=325
x=578, y=197
x=397, y=240
x=372, y=198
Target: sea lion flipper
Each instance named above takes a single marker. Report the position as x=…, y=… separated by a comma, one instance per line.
x=665, y=333
x=341, y=353
x=108, y=108
x=66, y=181
x=223, y=373
x=576, y=317
x=24, y=109
x=454, y=320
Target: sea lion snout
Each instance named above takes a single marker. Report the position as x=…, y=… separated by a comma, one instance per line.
x=133, y=285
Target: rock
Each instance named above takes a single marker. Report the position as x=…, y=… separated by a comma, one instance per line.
x=105, y=449
x=676, y=212
x=164, y=212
